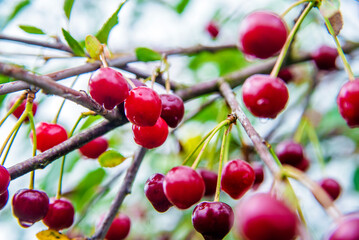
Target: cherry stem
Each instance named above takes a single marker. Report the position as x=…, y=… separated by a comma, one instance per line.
x=13, y=107
x=103, y=58
x=215, y=130
x=274, y=155
x=347, y=67
x=167, y=66
x=28, y=111
x=292, y=33
x=220, y=164
x=293, y=6
x=319, y=193
x=10, y=144
x=313, y=137
x=129, y=82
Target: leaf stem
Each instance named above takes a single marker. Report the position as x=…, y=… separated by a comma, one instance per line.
x=290, y=37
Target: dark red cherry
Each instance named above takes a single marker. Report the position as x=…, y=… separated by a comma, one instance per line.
x=60, y=214
x=30, y=206
x=49, y=135
x=213, y=220
x=264, y=96
x=286, y=75
x=210, y=181
x=347, y=228
x=3, y=199
x=331, y=186
x=262, y=34
x=143, y=106
x=155, y=193
x=20, y=109
x=303, y=165
x=258, y=174
x=237, y=178
x=289, y=152
x=151, y=137
x=94, y=148
x=172, y=109
x=348, y=103
x=108, y=87
x=119, y=228
x=262, y=217
x=212, y=29
x=183, y=186
x=324, y=58
x=4, y=179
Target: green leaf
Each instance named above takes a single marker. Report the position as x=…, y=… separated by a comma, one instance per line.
x=89, y=121
x=93, y=47
x=92, y=179
x=31, y=29
x=147, y=55
x=74, y=45
x=103, y=33
x=17, y=9
x=181, y=6
x=68, y=4
x=110, y=158
x=329, y=7
x=356, y=179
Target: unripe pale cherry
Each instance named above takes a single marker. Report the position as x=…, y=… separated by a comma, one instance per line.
x=94, y=148
x=348, y=103
x=49, y=135
x=264, y=96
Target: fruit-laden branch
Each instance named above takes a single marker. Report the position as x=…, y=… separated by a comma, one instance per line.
x=43, y=159
x=124, y=190
x=49, y=86
x=257, y=140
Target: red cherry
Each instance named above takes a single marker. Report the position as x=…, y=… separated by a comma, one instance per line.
x=348, y=103
x=331, y=186
x=258, y=174
x=183, y=186
x=237, y=178
x=155, y=193
x=286, y=75
x=264, y=96
x=108, y=87
x=324, y=58
x=3, y=199
x=262, y=34
x=4, y=179
x=212, y=29
x=172, y=109
x=347, y=228
x=213, y=220
x=60, y=214
x=210, y=181
x=49, y=135
x=262, y=217
x=119, y=228
x=289, y=152
x=303, y=165
x=21, y=108
x=30, y=206
x=151, y=137
x=94, y=148
x=143, y=106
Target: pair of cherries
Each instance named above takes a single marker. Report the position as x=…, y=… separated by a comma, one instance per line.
x=150, y=113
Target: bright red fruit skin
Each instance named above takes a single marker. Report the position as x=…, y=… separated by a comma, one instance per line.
x=94, y=148
x=324, y=58
x=210, y=181
x=331, y=186
x=49, y=135
x=348, y=103
x=172, y=109
x=30, y=206
x=213, y=29
x=155, y=193
x=264, y=96
x=3, y=199
x=262, y=217
x=4, y=179
x=258, y=174
x=60, y=214
x=143, y=106
x=347, y=229
x=119, y=228
x=151, y=137
x=108, y=87
x=183, y=186
x=20, y=109
x=213, y=220
x=289, y=152
x=237, y=178
x=262, y=34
